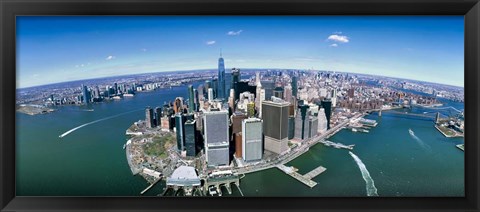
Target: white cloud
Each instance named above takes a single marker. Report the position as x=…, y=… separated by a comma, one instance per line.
x=111, y=57
x=211, y=42
x=338, y=38
x=234, y=32
x=334, y=45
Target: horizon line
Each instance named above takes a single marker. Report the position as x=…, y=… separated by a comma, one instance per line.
x=213, y=69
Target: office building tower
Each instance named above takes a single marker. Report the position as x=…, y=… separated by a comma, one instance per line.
x=291, y=127
x=235, y=77
x=278, y=92
x=334, y=97
x=221, y=78
x=238, y=145
x=313, y=126
x=215, y=88
x=86, y=94
x=158, y=116
x=294, y=87
x=243, y=86
x=252, y=136
x=196, y=100
x=208, y=84
x=191, y=99
x=301, y=122
x=250, y=109
x=216, y=135
x=237, y=119
x=165, y=123
x=322, y=121
x=244, y=99
x=231, y=100
x=275, y=125
x=287, y=94
x=261, y=99
x=268, y=86
x=190, y=137
x=149, y=117
x=210, y=95
x=178, y=105
x=115, y=88
x=327, y=105
x=180, y=131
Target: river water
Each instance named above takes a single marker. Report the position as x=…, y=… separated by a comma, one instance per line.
x=90, y=161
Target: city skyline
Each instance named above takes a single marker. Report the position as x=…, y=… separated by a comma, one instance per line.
x=59, y=49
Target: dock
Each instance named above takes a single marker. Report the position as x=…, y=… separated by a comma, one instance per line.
x=150, y=186
x=315, y=172
x=305, y=179
x=461, y=147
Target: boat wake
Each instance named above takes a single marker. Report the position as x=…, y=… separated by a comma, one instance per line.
x=93, y=122
x=419, y=141
x=371, y=189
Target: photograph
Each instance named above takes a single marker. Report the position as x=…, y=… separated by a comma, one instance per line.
x=240, y=106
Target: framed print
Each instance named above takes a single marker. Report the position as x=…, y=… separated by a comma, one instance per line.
x=239, y=105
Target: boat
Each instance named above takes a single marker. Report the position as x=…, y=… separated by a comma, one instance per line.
x=124, y=145
x=411, y=132
x=212, y=191
x=89, y=110
x=354, y=130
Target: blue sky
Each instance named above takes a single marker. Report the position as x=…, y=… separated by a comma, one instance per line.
x=61, y=48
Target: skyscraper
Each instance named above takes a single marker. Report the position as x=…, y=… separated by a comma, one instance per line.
x=268, y=86
x=180, y=131
x=327, y=105
x=178, y=105
x=252, y=136
x=278, y=92
x=322, y=121
x=190, y=137
x=235, y=77
x=149, y=117
x=313, y=126
x=221, y=78
x=275, y=125
x=251, y=109
x=86, y=94
x=215, y=88
x=196, y=100
x=158, y=116
x=210, y=95
x=301, y=122
x=294, y=87
x=216, y=137
x=191, y=99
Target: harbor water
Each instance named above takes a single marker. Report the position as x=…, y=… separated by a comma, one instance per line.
x=90, y=160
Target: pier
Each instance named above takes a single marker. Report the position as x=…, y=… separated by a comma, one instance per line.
x=305, y=179
x=223, y=181
x=315, y=172
x=150, y=186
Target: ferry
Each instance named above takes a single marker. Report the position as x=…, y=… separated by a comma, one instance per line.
x=411, y=132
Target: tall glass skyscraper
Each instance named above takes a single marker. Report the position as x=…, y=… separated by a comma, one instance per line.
x=191, y=99
x=221, y=78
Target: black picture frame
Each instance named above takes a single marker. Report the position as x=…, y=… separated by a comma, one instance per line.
x=10, y=9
